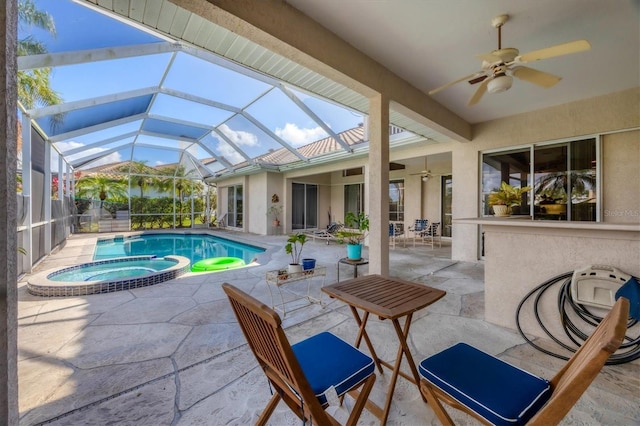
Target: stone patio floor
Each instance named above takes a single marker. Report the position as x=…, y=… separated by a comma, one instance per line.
x=173, y=354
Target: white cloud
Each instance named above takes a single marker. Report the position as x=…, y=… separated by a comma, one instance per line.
x=228, y=152
x=160, y=163
x=240, y=137
x=298, y=137
x=114, y=157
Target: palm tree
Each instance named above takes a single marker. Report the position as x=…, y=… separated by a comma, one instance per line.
x=141, y=172
x=34, y=85
x=101, y=187
x=183, y=185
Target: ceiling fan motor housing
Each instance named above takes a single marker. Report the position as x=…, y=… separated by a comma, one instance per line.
x=500, y=83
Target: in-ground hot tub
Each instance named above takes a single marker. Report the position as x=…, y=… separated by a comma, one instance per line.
x=107, y=276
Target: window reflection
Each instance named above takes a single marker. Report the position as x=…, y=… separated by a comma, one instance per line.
x=511, y=167
x=564, y=179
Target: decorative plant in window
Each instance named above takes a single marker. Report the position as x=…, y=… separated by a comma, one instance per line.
x=506, y=197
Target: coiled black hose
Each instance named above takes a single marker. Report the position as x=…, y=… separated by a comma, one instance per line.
x=628, y=351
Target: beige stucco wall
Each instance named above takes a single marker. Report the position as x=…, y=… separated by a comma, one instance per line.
x=422, y=199
x=621, y=177
x=518, y=259
x=604, y=114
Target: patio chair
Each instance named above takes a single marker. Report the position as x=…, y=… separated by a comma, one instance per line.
x=431, y=234
x=496, y=392
x=417, y=228
x=395, y=232
x=329, y=234
x=309, y=375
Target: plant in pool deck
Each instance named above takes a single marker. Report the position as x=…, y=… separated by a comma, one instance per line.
x=294, y=247
x=275, y=211
x=360, y=225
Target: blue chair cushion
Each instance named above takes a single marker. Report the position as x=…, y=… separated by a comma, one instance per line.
x=327, y=360
x=631, y=290
x=498, y=391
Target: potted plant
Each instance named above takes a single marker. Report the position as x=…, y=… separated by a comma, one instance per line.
x=275, y=211
x=505, y=198
x=294, y=247
x=359, y=225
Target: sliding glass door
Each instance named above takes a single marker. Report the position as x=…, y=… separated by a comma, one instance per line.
x=304, y=206
x=234, y=206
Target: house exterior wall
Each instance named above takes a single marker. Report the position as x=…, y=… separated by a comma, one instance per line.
x=616, y=112
x=621, y=183
x=422, y=199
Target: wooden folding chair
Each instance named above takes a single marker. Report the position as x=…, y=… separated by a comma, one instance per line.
x=306, y=374
x=496, y=392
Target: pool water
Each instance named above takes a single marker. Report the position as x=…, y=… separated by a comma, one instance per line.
x=111, y=271
x=195, y=247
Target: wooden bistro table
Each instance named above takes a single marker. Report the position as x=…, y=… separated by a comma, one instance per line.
x=392, y=299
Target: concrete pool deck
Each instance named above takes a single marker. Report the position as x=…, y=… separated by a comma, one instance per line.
x=173, y=354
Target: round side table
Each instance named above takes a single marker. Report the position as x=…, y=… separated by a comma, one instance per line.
x=354, y=263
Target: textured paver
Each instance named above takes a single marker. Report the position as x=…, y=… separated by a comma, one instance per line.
x=173, y=354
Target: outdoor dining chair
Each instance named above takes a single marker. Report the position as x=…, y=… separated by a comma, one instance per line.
x=394, y=232
x=431, y=234
x=499, y=393
x=417, y=228
x=308, y=375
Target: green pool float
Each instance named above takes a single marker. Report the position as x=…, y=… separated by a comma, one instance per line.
x=217, y=264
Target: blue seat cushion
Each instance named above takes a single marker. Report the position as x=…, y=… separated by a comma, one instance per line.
x=327, y=360
x=498, y=391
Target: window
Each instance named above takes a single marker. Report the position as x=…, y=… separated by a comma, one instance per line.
x=357, y=171
x=565, y=181
x=354, y=198
x=563, y=178
x=446, y=192
x=396, y=200
x=234, y=206
x=512, y=167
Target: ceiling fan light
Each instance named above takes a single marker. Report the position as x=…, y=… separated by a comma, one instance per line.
x=425, y=178
x=500, y=84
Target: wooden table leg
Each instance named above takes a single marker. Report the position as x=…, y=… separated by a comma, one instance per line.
x=362, y=332
x=407, y=352
x=403, y=349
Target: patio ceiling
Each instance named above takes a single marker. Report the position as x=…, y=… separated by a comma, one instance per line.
x=207, y=98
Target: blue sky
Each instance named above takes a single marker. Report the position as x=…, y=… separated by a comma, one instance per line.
x=79, y=28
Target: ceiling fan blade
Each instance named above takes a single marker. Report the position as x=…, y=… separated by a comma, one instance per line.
x=540, y=78
x=553, y=51
x=482, y=89
x=477, y=79
x=490, y=58
x=467, y=77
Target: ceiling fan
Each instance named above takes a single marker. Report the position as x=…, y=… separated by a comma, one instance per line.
x=500, y=66
x=426, y=174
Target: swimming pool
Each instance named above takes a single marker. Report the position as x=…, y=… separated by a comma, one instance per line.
x=106, y=276
x=195, y=247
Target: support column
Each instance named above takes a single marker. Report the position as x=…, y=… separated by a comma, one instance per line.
x=378, y=185
x=47, y=197
x=27, y=168
x=8, y=234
